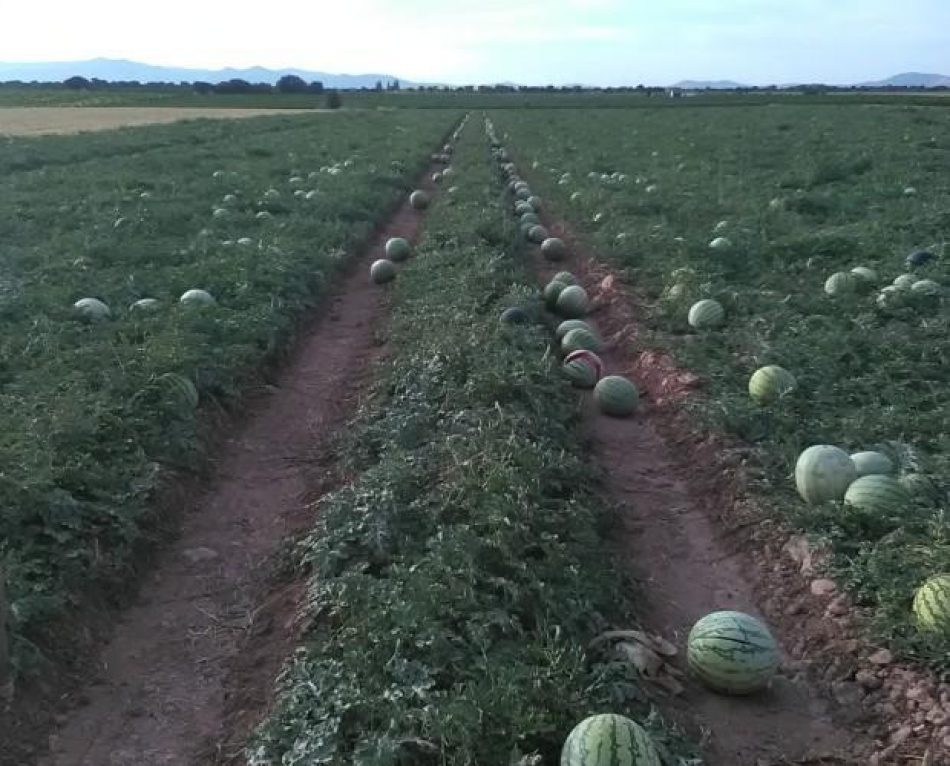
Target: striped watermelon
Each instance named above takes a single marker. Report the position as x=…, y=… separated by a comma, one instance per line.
x=609, y=740
x=932, y=604
x=927, y=288
x=891, y=297
x=841, y=283
x=872, y=462
x=919, y=486
x=616, y=396
x=771, y=383
x=181, y=387
x=196, y=298
x=514, y=315
x=865, y=275
x=823, y=473
x=732, y=653
x=522, y=207
x=905, y=281
x=583, y=368
x=571, y=324
x=537, y=234
x=566, y=277
x=553, y=249
x=535, y=202
x=572, y=302
x=382, y=271
x=876, y=493
x=552, y=292
x=145, y=304
x=706, y=313
x=398, y=249
x=419, y=200
x=92, y=309
x=579, y=338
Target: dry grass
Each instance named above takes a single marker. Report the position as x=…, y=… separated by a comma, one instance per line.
x=37, y=121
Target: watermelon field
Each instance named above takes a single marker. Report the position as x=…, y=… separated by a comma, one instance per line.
x=615, y=437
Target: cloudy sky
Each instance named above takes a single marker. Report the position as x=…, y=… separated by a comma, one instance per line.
x=605, y=42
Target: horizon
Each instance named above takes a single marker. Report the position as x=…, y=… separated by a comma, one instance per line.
x=605, y=43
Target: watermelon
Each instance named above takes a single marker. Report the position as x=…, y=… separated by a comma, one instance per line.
x=579, y=369
x=196, y=298
x=580, y=338
x=571, y=324
x=572, y=303
x=865, y=275
x=905, y=281
x=535, y=202
x=437, y=177
x=419, y=200
x=144, y=304
x=771, y=383
x=841, y=283
x=932, y=604
x=537, y=234
x=891, y=297
x=523, y=193
x=92, y=309
x=927, y=288
x=609, y=740
x=919, y=486
x=553, y=249
x=566, y=277
x=732, y=653
x=616, y=396
x=522, y=207
x=706, y=313
x=514, y=315
x=823, y=473
x=677, y=292
x=590, y=359
x=918, y=258
x=181, y=387
x=382, y=271
x=867, y=463
x=398, y=249
x=528, y=220
x=551, y=293
x=877, y=494
x=720, y=243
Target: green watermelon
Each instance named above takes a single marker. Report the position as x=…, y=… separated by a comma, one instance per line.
x=571, y=324
x=382, y=271
x=677, y=292
x=841, y=283
x=523, y=193
x=823, y=473
x=919, y=486
x=877, y=494
x=522, y=207
x=181, y=387
x=551, y=293
x=771, y=383
x=580, y=338
x=865, y=275
x=535, y=202
x=572, y=303
x=905, y=281
x=92, y=309
x=145, y=304
x=867, y=463
x=527, y=222
x=720, y=243
x=615, y=395
x=932, y=604
x=609, y=740
x=554, y=249
x=566, y=277
x=514, y=315
x=196, y=298
x=927, y=288
x=398, y=249
x=419, y=200
x=537, y=234
x=580, y=370
x=732, y=653
x=706, y=313
x=891, y=297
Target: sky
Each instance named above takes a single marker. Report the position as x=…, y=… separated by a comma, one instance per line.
x=594, y=42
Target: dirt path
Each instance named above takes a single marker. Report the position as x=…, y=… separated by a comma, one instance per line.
x=670, y=539
x=191, y=665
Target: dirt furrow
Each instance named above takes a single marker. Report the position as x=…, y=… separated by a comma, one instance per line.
x=191, y=665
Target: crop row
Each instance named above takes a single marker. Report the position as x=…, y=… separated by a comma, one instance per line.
x=98, y=410
x=756, y=209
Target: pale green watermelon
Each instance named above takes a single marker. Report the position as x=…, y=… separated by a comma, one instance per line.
x=145, y=304
x=580, y=338
x=566, y=277
x=927, y=288
x=867, y=463
x=551, y=293
x=570, y=324
x=770, y=383
x=616, y=396
x=382, y=271
x=609, y=740
x=537, y=234
x=932, y=604
x=823, y=473
x=732, y=653
x=865, y=275
x=892, y=297
x=720, y=243
x=398, y=249
x=554, y=249
x=196, y=298
x=905, y=281
x=535, y=202
x=876, y=494
x=419, y=200
x=92, y=309
x=706, y=313
x=841, y=283
x=572, y=303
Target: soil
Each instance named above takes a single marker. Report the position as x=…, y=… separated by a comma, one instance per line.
x=190, y=666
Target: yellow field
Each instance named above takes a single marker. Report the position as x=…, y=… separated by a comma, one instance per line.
x=37, y=121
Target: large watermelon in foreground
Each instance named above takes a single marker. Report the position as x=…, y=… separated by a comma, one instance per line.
x=609, y=740
x=876, y=493
x=932, y=604
x=824, y=473
x=732, y=653
x=771, y=383
x=706, y=313
x=616, y=396
x=583, y=368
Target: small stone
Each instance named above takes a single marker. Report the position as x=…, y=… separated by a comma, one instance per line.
x=868, y=680
x=901, y=735
x=823, y=587
x=881, y=657
x=197, y=555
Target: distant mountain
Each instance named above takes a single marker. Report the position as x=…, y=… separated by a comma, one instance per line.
x=708, y=84
x=121, y=70
x=911, y=80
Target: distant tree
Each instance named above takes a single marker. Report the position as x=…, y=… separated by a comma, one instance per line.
x=290, y=83
x=204, y=88
x=315, y=87
x=233, y=86
x=379, y=85
x=77, y=83
x=333, y=100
